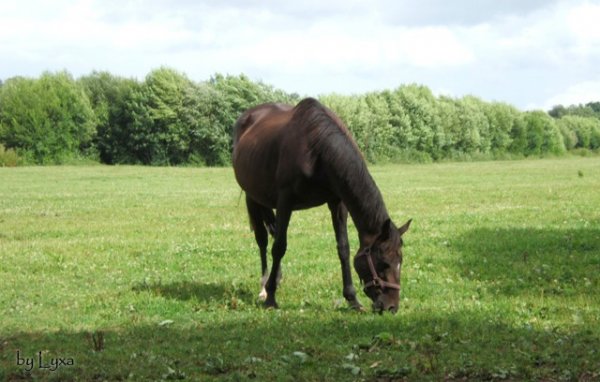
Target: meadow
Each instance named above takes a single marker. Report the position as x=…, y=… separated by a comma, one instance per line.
x=145, y=273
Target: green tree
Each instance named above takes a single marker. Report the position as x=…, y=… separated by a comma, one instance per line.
x=543, y=136
x=466, y=134
x=558, y=111
x=590, y=109
x=210, y=135
x=399, y=120
x=48, y=119
x=567, y=125
x=580, y=132
x=501, y=118
x=450, y=124
x=109, y=96
x=595, y=106
x=167, y=134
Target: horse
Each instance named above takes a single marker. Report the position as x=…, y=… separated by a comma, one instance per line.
x=289, y=158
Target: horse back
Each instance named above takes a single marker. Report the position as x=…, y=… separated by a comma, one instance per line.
x=261, y=119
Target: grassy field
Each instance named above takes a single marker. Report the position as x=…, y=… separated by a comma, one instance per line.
x=135, y=273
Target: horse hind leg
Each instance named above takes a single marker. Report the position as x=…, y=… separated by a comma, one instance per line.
x=269, y=221
x=284, y=213
x=259, y=224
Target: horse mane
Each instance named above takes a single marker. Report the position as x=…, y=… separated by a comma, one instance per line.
x=331, y=145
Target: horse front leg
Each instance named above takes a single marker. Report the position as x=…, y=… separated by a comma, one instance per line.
x=339, y=218
x=282, y=220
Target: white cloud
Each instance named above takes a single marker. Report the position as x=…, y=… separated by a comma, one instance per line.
x=339, y=49
x=584, y=25
x=520, y=52
x=580, y=93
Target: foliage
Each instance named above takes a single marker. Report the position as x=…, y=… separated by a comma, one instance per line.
x=590, y=109
x=580, y=132
x=8, y=157
x=112, y=99
x=502, y=119
x=47, y=119
x=168, y=119
x=543, y=136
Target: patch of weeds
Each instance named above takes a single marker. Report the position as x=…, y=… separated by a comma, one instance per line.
x=237, y=297
x=352, y=368
x=174, y=373
x=427, y=351
x=504, y=373
x=296, y=358
x=215, y=365
x=97, y=340
x=381, y=340
x=21, y=375
x=394, y=373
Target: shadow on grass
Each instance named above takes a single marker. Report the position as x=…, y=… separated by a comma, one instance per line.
x=201, y=292
x=516, y=260
x=279, y=345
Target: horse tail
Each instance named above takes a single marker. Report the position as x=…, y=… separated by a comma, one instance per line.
x=269, y=220
x=261, y=217
x=240, y=126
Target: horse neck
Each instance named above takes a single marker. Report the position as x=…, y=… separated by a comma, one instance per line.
x=357, y=189
x=366, y=206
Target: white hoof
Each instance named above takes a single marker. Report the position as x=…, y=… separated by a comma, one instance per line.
x=262, y=296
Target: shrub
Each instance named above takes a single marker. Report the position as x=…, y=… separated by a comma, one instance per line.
x=49, y=118
x=8, y=157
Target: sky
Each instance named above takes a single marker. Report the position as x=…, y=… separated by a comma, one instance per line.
x=533, y=54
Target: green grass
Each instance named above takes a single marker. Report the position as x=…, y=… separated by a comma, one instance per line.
x=140, y=273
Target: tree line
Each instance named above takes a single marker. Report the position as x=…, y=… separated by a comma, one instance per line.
x=168, y=119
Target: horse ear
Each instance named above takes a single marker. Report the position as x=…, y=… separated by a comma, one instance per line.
x=402, y=230
x=385, y=230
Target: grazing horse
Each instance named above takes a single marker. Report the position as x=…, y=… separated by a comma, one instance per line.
x=291, y=158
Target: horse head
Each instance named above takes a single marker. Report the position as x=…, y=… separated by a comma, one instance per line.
x=379, y=265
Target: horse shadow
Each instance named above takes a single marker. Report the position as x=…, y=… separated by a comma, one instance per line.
x=202, y=292
x=513, y=261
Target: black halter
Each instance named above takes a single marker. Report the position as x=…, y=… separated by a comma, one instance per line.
x=376, y=281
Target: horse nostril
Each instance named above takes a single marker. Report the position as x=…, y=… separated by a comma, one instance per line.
x=393, y=309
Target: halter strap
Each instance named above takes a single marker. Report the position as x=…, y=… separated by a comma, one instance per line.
x=377, y=281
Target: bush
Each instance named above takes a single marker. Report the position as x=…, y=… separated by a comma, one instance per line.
x=543, y=136
x=168, y=119
x=9, y=158
x=49, y=119
x=580, y=132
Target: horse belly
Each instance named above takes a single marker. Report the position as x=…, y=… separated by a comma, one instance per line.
x=310, y=193
x=260, y=184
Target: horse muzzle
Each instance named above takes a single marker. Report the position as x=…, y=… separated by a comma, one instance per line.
x=380, y=306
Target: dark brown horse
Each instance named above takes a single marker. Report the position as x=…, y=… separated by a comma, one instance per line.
x=290, y=158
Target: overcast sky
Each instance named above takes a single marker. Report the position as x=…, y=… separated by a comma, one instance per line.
x=530, y=53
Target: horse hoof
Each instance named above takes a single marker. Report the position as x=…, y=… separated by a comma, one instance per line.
x=357, y=307
x=262, y=296
x=270, y=305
